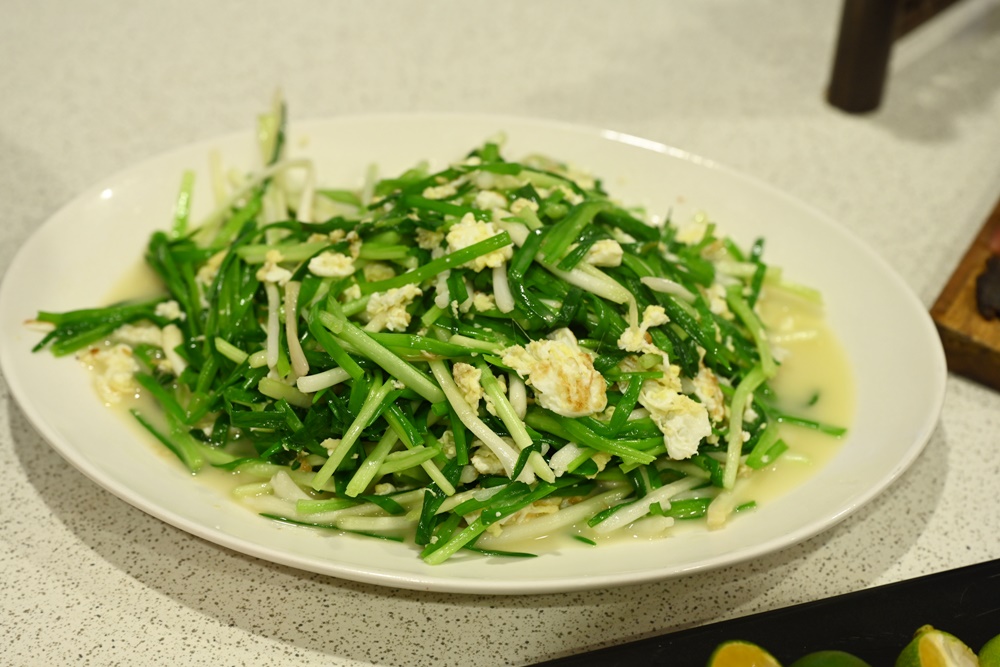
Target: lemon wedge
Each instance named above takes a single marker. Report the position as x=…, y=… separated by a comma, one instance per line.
x=935, y=648
x=741, y=654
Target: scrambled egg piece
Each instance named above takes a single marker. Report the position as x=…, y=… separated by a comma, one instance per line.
x=561, y=373
x=329, y=264
x=636, y=339
x=467, y=377
x=355, y=243
x=447, y=441
x=693, y=232
x=137, y=334
x=352, y=293
x=716, y=296
x=441, y=191
x=482, y=301
x=486, y=462
x=170, y=310
x=172, y=338
x=441, y=295
x=469, y=231
x=488, y=200
x=115, y=370
x=605, y=252
x=706, y=387
x=682, y=420
x=429, y=239
x=520, y=204
x=271, y=272
x=387, y=310
x=335, y=236
x=376, y=271
x=210, y=269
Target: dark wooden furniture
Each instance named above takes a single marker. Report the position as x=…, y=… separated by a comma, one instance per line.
x=971, y=342
x=868, y=29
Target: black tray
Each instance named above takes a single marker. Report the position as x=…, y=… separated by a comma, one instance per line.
x=873, y=624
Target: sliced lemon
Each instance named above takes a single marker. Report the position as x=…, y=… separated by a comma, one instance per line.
x=741, y=654
x=989, y=654
x=830, y=659
x=935, y=648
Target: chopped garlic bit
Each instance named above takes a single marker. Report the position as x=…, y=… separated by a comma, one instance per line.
x=561, y=373
x=469, y=231
x=387, y=310
x=330, y=264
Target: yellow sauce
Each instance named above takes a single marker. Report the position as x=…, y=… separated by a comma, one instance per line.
x=138, y=283
x=814, y=365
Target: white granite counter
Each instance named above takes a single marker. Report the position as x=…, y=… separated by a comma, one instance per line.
x=93, y=86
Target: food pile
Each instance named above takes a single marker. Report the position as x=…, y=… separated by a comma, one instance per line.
x=464, y=358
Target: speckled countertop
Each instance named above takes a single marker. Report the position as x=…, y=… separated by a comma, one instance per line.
x=93, y=86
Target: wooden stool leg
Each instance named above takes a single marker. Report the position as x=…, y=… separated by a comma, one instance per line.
x=862, y=56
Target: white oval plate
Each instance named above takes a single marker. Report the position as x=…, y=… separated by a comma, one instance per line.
x=74, y=259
